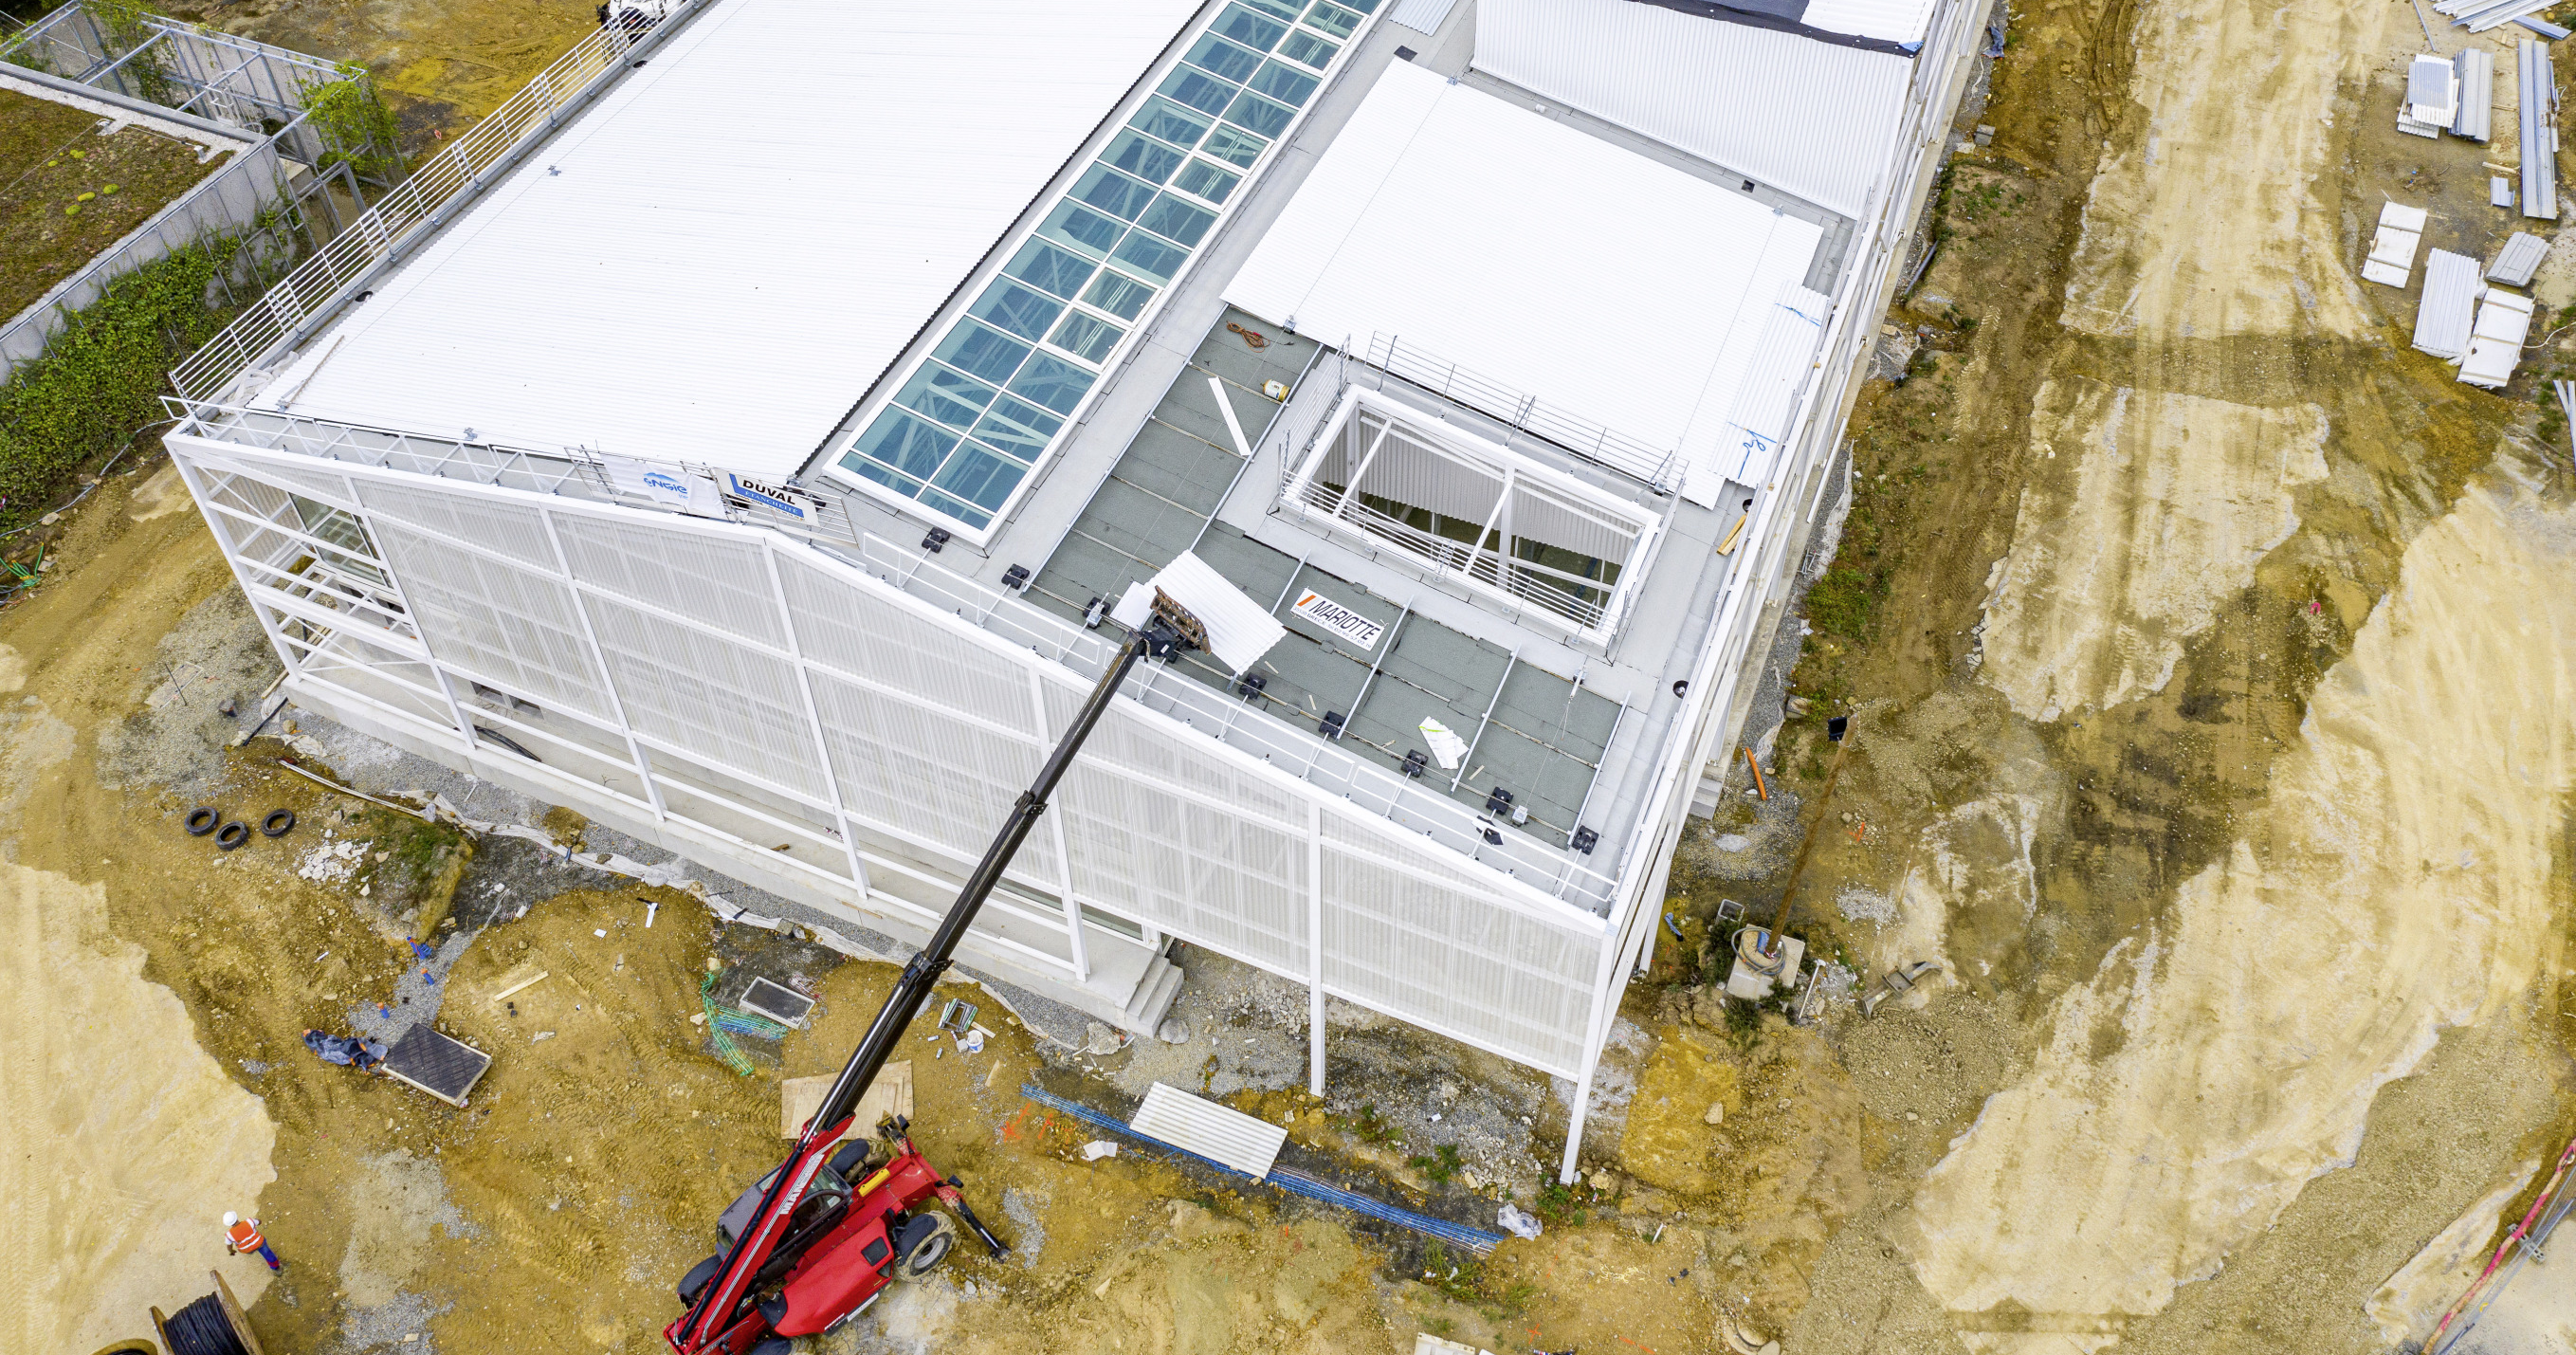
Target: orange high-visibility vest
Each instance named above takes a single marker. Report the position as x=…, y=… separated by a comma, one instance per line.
x=245, y=1238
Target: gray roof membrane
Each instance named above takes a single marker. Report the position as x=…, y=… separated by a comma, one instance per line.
x=1530, y=731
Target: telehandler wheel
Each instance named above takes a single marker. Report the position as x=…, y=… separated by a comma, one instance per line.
x=927, y=1247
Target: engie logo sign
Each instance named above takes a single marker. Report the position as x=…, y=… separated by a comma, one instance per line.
x=1338, y=619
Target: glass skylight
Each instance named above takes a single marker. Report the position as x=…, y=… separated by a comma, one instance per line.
x=968, y=423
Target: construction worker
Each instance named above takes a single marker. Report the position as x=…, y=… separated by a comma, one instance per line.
x=242, y=1235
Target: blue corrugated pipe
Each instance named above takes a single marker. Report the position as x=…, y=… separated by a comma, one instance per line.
x=1288, y=1179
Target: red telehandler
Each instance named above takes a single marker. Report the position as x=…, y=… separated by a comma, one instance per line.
x=815, y=1242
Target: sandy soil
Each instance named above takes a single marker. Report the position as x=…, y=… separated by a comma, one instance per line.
x=133, y=1140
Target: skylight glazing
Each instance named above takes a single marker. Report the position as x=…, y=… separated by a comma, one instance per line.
x=967, y=424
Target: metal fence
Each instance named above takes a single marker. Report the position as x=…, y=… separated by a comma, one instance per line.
x=1523, y=412
x=285, y=188
x=438, y=187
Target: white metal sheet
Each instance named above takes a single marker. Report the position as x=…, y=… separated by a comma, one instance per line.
x=2451, y=288
x=1784, y=359
x=2504, y=320
x=1422, y=16
x=1898, y=21
x=1809, y=118
x=717, y=258
x=2476, y=69
x=1239, y=629
x=2519, y=259
x=1533, y=255
x=1209, y=1130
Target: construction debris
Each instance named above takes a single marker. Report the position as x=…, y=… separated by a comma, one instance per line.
x=2432, y=96
x=2504, y=321
x=2519, y=259
x=2474, y=77
x=2538, y=104
x=2392, y=250
x=2451, y=290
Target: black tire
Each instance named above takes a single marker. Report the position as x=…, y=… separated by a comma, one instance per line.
x=927, y=1240
x=699, y=1277
x=204, y=819
x=232, y=835
x=278, y=823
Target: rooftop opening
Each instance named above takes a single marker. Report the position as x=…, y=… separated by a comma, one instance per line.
x=1535, y=537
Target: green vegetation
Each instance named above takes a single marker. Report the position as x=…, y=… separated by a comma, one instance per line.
x=98, y=385
x=1440, y=1166
x=355, y=126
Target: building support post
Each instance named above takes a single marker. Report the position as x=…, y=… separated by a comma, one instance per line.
x=1315, y=946
x=598, y=656
x=814, y=722
x=1063, y=853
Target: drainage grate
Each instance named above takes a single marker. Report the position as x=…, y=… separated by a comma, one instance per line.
x=783, y=1005
x=444, y=1068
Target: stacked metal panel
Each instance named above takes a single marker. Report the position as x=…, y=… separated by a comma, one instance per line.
x=2496, y=345
x=2518, y=260
x=2432, y=97
x=2475, y=67
x=2538, y=87
x=2451, y=287
x=2392, y=250
x=2478, y=16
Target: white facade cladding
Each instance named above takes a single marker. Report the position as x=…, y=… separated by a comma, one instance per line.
x=1810, y=118
x=721, y=686
x=804, y=692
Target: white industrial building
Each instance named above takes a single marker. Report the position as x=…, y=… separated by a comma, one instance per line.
x=749, y=435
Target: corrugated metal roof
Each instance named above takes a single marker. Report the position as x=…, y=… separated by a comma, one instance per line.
x=1209, y=1130
x=1422, y=16
x=1806, y=117
x=2428, y=85
x=2518, y=260
x=722, y=253
x=1533, y=255
x=2451, y=290
x=1899, y=21
x=2476, y=68
x=2537, y=103
x=1784, y=358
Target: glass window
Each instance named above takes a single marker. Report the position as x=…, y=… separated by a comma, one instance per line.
x=1086, y=230
x=1052, y=382
x=1363, y=6
x=1049, y=269
x=1223, y=59
x=1144, y=254
x=1170, y=122
x=1235, y=147
x=950, y=397
x=972, y=348
x=1261, y=115
x=1248, y=28
x=1121, y=296
x=914, y=446
x=1148, y=160
x=1287, y=84
x=1306, y=47
x=869, y=470
x=1113, y=192
x=1016, y=309
x=1333, y=18
x=980, y=476
x=1088, y=336
x=1198, y=89
x=1176, y=219
x=1017, y=429
x=1280, y=9
x=1207, y=181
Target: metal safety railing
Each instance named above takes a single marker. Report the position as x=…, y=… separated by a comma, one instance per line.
x=1524, y=412
x=423, y=199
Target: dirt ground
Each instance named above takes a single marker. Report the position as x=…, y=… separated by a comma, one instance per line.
x=2208, y=661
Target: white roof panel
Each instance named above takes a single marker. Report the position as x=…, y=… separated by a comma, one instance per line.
x=2451, y=288
x=720, y=256
x=1212, y=1131
x=1807, y=117
x=1534, y=255
x=1899, y=21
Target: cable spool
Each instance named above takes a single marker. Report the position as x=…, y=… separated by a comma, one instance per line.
x=203, y=1328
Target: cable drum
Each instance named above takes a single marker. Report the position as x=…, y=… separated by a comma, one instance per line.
x=201, y=1328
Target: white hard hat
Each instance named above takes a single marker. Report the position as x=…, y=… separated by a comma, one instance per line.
x=231, y=1218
